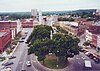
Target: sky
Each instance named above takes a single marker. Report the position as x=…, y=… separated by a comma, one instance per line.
x=47, y=5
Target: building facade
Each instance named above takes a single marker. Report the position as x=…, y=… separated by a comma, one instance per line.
x=13, y=26
x=93, y=34
x=5, y=38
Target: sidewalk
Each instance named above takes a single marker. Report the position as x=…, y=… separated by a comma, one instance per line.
x=1, y=67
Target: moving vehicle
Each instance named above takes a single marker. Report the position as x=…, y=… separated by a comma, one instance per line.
x=11, y=57
x=88, y=64
x=7, y=63
x=28, y=63
x=21, y=40
x=23, y=37
x=26, y=32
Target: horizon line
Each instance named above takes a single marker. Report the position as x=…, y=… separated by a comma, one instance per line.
x=50, y=10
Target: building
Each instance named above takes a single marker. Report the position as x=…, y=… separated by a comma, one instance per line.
x=80, y=20
x=40, y=17
x=14, y=26
x=34, y=13
x=72, y=27
x=5, y=38
x=88, y=36
x=27, y=23
x=93, y=34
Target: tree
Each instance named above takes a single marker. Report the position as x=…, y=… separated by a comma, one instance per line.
x=66, y=45
x=62, y=45
x=65, y=19
x=39, y=32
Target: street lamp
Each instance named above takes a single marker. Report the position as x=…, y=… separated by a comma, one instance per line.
x=57, y=57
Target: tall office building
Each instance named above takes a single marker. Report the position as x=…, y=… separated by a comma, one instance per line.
x=34, y=13
x=40, y=17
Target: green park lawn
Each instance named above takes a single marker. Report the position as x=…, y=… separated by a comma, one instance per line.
x=51, y=62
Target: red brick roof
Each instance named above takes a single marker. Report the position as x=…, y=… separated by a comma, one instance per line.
x=88, y=22
x=80, y=19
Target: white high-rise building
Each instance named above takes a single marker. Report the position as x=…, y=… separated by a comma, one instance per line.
x=34, y=12
x=40, y=17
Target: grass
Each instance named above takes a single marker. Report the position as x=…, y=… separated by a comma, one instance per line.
x=51, y=62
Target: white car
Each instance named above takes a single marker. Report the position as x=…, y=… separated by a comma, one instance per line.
x=28, y=63
x=8, y=69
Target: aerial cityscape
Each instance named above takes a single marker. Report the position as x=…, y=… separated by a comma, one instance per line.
x=50, y=35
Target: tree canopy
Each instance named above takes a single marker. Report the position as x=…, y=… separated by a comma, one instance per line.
x=62, y=45
x=65, y=19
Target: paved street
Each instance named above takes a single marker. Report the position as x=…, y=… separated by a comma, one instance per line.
x=77, y=64
x=22, y=57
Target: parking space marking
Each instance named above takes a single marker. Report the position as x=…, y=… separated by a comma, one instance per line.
x=79, y=63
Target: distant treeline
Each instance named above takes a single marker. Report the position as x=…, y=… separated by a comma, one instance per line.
x=76, y=13
x=14, y=16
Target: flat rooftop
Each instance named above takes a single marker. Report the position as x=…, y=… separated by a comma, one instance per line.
x=2, y=33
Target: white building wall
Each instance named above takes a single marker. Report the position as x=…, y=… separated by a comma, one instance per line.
x=13, y=34
x=88, y=35
x=40, y=17
x=19, y=26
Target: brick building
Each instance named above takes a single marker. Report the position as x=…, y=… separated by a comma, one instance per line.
x=26, y=23
x=73, y=27
x=13, y=26
x=5, y=38
x=94, y=34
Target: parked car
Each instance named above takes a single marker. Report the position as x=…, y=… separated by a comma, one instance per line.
x=88, y=54
x=11, y=57
x=7, y=69
x=85, y=51
x=96, y=59
x=82, y=50
x=91, y=56
x=28, y=63
x=7, y=63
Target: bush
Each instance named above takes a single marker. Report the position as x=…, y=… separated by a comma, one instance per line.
x=2, y=58
x=86, y=43
x=8, y=51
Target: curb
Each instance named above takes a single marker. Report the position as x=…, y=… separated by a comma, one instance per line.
x=14, y=49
